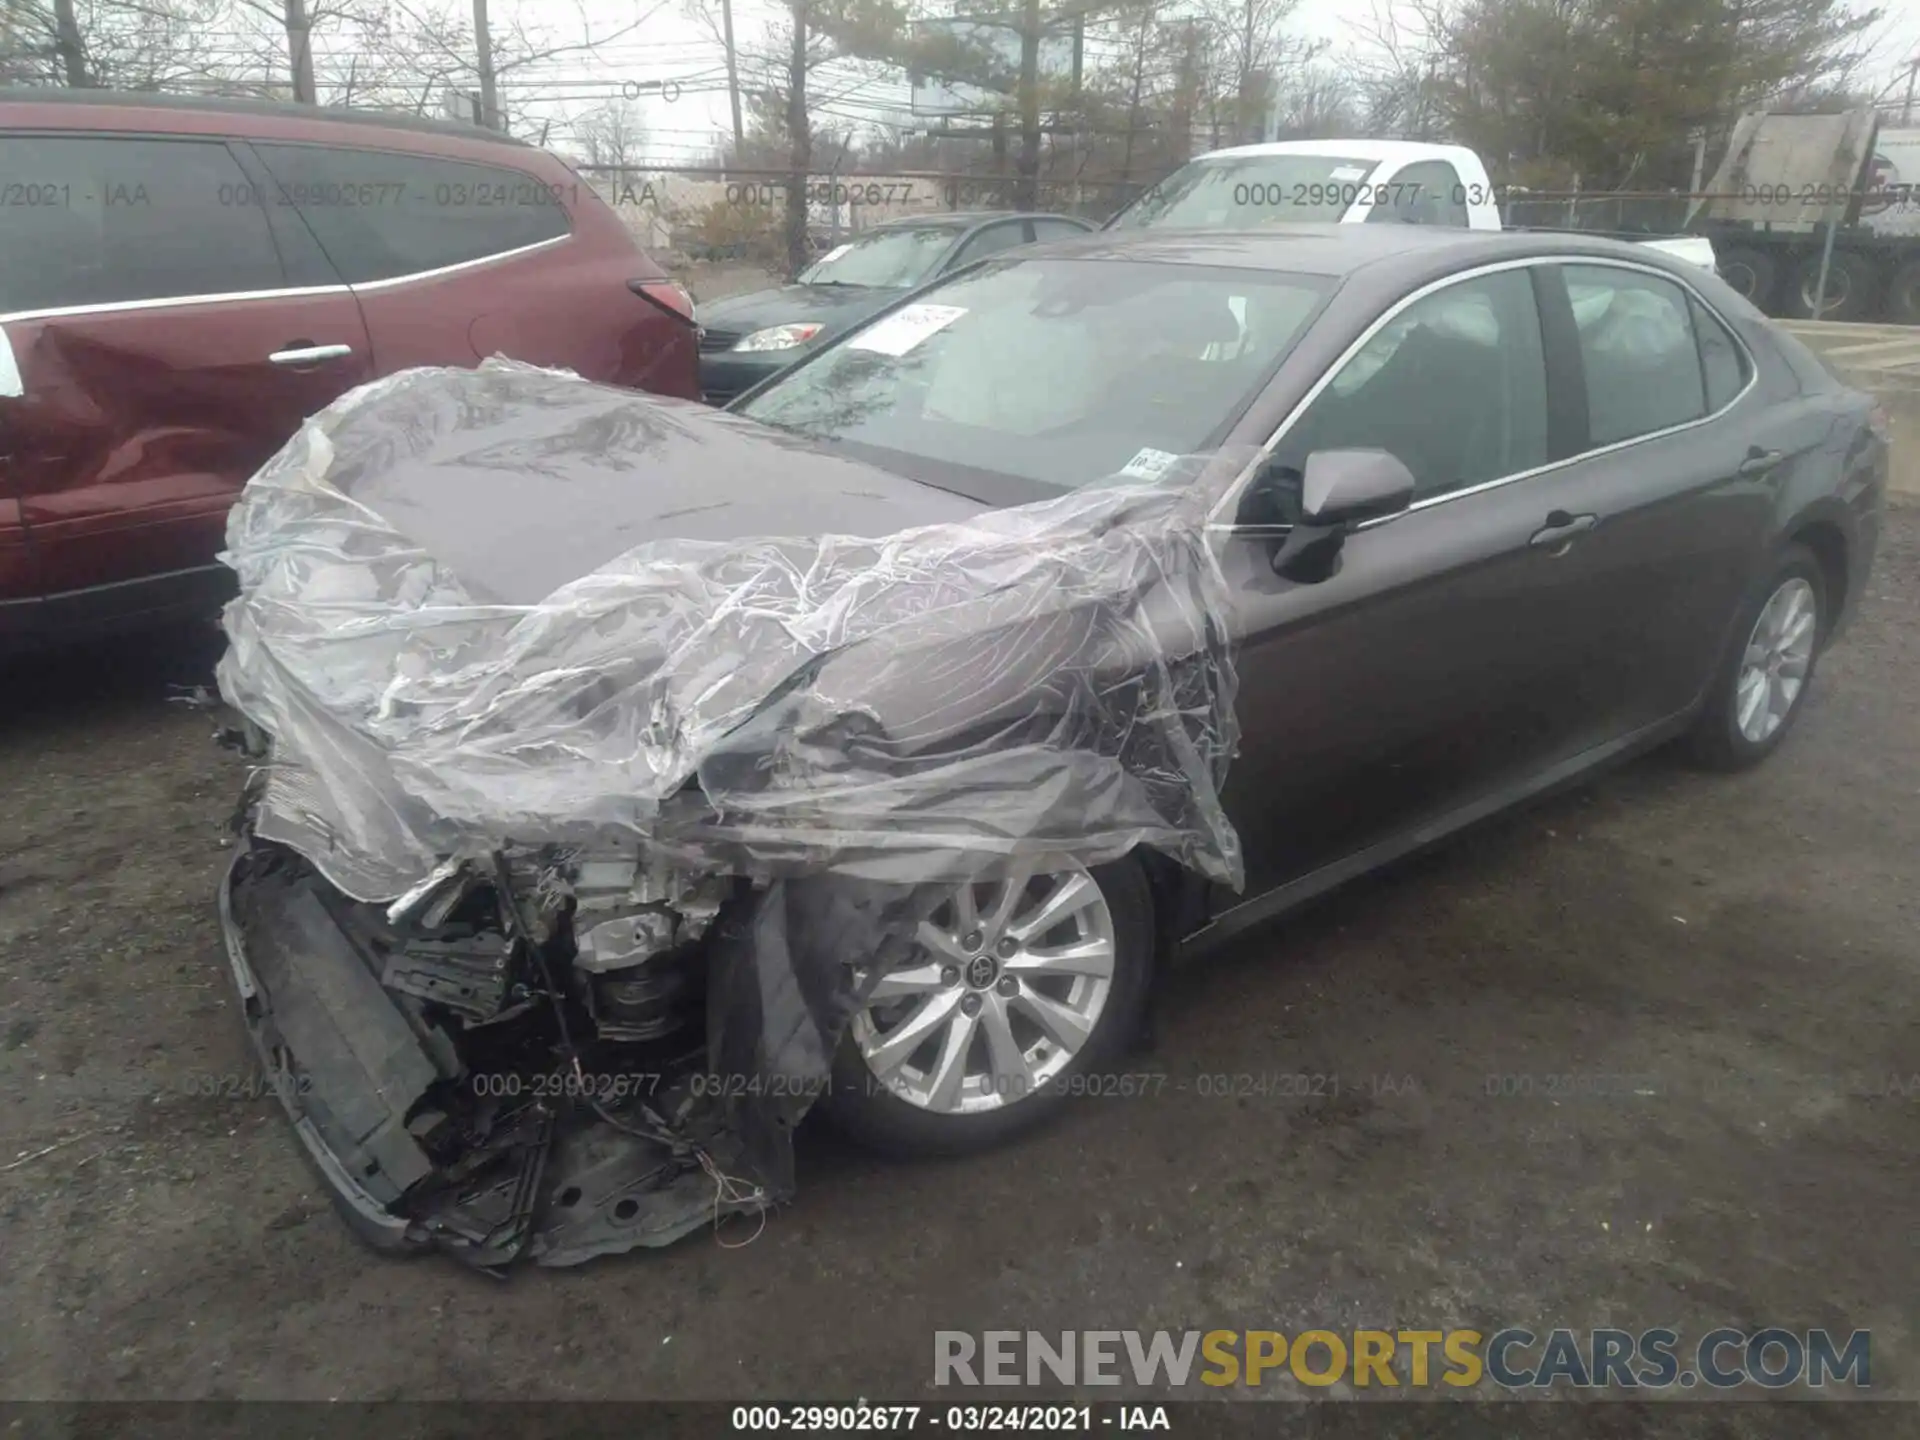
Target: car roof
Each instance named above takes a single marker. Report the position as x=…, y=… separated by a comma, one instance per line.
x=1339, y=251
x=15, y=98
x=1399, y=152
x=965, y=219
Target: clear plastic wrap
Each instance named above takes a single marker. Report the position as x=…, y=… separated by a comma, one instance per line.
x=1051, y=678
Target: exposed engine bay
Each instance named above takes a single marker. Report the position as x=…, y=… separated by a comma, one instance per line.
x=515, y=1059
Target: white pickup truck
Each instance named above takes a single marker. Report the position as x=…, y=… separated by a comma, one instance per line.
x=1349, y=182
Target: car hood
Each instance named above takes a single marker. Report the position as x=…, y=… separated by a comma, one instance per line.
x=493, y=606
x=589, y=484
x=835, y=306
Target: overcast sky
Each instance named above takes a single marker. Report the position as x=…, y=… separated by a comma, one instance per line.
x=669, y=46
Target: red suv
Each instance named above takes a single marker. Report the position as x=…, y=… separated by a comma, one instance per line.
x=183, y=281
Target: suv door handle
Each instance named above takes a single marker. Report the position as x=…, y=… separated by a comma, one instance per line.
x=1759, y=461
x=305, y=352
x=1561, y=530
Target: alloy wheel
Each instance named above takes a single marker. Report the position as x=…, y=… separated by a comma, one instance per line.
x=1779, y=652
x=1007, y=982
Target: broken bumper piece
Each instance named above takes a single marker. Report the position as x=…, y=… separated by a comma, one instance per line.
x=421, y=1149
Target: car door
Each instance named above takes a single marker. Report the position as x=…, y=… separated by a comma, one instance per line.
x=1404, y=689
x=1664, y=504
x=170, y=333
x=450, y=259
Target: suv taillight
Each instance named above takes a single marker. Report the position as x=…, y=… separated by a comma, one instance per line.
x=668, y=295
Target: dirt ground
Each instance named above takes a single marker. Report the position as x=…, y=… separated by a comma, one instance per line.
x=1750, y=946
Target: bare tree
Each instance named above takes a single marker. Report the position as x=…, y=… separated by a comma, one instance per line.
x=861, y=37
x=114, y=44
x=611, y=135
x=1395, y=62
x=1318, y=100
x=1251, y=52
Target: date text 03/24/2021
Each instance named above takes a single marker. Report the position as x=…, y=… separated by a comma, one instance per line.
x=862, y=1417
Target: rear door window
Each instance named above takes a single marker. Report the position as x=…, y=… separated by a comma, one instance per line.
x=380, y=214
x=101, y=220
x=1643, y=372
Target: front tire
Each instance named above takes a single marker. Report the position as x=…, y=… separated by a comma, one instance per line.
x=1762, y=685
x=1018, y=987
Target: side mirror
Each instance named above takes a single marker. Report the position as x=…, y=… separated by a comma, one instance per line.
x=1346, y=487
x=1339, y=489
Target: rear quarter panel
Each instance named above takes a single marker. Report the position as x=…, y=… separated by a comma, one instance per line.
x=1837, y=469
x=565, y=304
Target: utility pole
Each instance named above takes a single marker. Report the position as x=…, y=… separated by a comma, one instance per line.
x=733, y=78
x=1027, y=187
x=483, y=43
x=1186, y=92
x=1243, y=111
x=66, y=39
x=1906, y=109
x=800, y=141
x=300, y=51
x=1133, y=104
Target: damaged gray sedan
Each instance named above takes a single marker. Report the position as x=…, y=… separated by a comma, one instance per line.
x=636, y=777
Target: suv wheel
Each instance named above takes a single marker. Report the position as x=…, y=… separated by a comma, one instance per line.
x=1763, y=683
x=1018, y=986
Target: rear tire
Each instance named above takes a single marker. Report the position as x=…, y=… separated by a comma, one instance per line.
x=899, y=1104
x=1751, y=272
x=1755, y=700
x=1853, y=286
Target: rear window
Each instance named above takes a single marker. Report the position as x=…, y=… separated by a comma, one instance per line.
x=379, y=214
x=102, y=220
x=1722, y=361
x=1238, y=192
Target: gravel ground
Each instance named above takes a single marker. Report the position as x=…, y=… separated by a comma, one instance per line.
x=1747, y=944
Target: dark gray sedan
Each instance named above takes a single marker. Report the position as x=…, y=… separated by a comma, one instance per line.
x=1525, y=505
x=746, y=338
x=1493, y=511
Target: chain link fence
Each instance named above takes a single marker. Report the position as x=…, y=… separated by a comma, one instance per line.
x=687, y=214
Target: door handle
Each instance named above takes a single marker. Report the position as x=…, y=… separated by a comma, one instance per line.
x=1561, y=530
x=304, y=352
x=1759, y=461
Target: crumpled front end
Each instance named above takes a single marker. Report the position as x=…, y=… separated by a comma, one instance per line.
x=549, y=916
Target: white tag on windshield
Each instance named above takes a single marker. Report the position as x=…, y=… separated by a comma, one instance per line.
x=834, y=254
x=1347, y=172
x=1149, y=464
x=904, y=329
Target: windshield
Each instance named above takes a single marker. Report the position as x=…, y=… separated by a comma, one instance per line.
x=891, y=259
x=1237, y=192
x=1059, y=371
